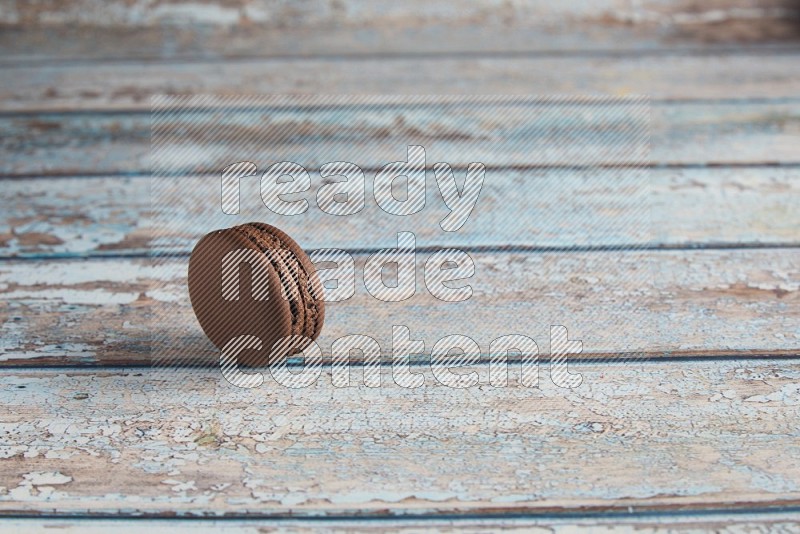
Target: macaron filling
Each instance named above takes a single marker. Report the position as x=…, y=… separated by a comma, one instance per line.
x=293, y=277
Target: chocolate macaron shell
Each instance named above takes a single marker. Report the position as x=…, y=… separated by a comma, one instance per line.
x=287, y=268
x=224, y=319
x=309, y=286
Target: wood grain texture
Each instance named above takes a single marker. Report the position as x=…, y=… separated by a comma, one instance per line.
x=381, y=13
x=82, y=45
x=136, y=442
x=90, y=30
x=628, y=304
x=689, y=417
x=86, y=216
x=129, y=85
x=741, y=522
x=111, y=143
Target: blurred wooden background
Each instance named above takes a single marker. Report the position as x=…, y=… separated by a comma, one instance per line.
x=702, y=433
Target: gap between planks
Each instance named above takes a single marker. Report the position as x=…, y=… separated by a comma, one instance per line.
x=778, y=49
x=147, y=254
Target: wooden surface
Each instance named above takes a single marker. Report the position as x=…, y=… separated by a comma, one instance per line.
x=693, y=435
x=742, y=133
x=110, y=85
x=625, y=304
x=689, y=423
x=716, y=522
x=689, y=207
x=88, y=30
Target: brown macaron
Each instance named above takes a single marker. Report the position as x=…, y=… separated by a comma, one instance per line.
x=254, y=280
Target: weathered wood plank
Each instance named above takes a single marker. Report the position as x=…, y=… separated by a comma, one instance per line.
x=314, y=13
x=384, y=13
x=618, y=303
x=688, y=207
x=129, y=85
x=681, y=134
x=648, y=437
x=89, y=29
x=82, y=45
x=779, y=522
